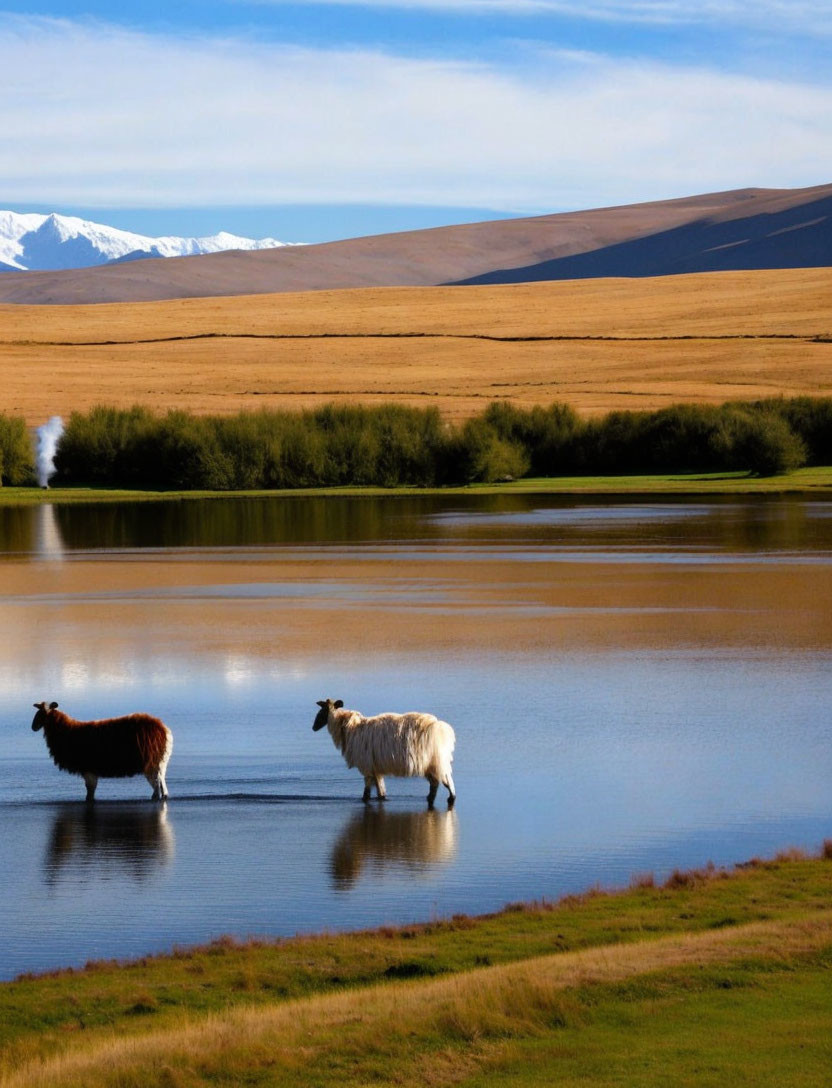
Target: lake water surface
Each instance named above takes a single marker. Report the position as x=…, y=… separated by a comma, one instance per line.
x=635, y=686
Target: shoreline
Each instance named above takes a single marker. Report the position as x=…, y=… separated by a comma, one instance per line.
x=806, y=482
x=747, y=947
x=640, y=884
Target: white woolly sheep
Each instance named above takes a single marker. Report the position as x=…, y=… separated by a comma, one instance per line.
x=405, y=745
x=108, y=748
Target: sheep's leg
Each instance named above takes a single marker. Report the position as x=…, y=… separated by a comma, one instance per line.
x=368, y=785
x=434, y=786
x=381, y=792
x=449, y=782
x=163, y=767
x=91, y=781
x=155, y=779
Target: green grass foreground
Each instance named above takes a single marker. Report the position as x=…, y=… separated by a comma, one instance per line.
x=715, y=977
x=807, y=481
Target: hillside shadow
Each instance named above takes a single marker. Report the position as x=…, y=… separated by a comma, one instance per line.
x=798, y=237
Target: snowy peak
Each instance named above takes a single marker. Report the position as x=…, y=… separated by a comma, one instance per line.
x=31, y=242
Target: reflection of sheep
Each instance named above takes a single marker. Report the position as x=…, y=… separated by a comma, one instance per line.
x=109, y=840
x=109, y=748
x=412, y=840
x=405, y=745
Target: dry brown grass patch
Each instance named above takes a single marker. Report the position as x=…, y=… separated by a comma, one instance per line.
x=643, y=880
x=472, y=1008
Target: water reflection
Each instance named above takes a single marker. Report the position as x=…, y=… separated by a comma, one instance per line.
x=108, y=842
x=720, y=522
x=49, y=544
x=17, y=526
x=381, y=839
x=248, y=522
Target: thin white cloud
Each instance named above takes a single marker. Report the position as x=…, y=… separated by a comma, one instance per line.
x=99, y=115
x=785, y=16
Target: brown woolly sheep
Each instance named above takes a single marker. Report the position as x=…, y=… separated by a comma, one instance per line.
x=109, y=748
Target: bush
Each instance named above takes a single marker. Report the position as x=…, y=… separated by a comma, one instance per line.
x=692, y=438
x=16, y=459
x=765, y=445
x=106, y=446
x=480, y=455
x=810, y=418
x=614, y=444
x=392, y=445
x=547, y=435
x=387, y=445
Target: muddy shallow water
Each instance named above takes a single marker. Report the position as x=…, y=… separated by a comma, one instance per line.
x=635, y=686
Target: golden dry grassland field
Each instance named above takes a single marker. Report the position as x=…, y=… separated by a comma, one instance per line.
x=596, y=344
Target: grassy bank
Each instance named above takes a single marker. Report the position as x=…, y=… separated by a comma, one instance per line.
x=714, y=975
x=808, y=481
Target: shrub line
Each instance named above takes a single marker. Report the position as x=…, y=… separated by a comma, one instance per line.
x=392, y=445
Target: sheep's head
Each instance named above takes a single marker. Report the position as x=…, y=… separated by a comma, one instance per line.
x=42, y=717
x=322, y=716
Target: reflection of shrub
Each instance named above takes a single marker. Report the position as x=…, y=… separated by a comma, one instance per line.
x=16, y=461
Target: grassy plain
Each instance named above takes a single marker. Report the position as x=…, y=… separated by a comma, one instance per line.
x=712, y=976
x=596, y=344
x=809, y=481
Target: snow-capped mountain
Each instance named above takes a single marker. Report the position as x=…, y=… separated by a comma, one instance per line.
x=29, y=242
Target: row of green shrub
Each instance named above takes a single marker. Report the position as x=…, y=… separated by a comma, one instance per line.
x=333, y=445
x=392, y=445
x=763, y=437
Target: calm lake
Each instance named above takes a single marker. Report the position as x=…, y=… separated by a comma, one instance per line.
x=635, y=686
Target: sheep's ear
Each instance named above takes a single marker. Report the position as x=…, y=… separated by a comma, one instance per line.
x=338, y=704
x=38, y=706
x=53, y=706
x=321, y=703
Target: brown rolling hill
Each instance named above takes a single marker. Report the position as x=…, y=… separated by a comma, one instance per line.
x=741, y=229
x=597, y=344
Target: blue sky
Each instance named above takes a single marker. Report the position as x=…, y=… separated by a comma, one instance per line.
x=315, y=120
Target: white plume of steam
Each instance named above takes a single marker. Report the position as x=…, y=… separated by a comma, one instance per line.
x=48, y=436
